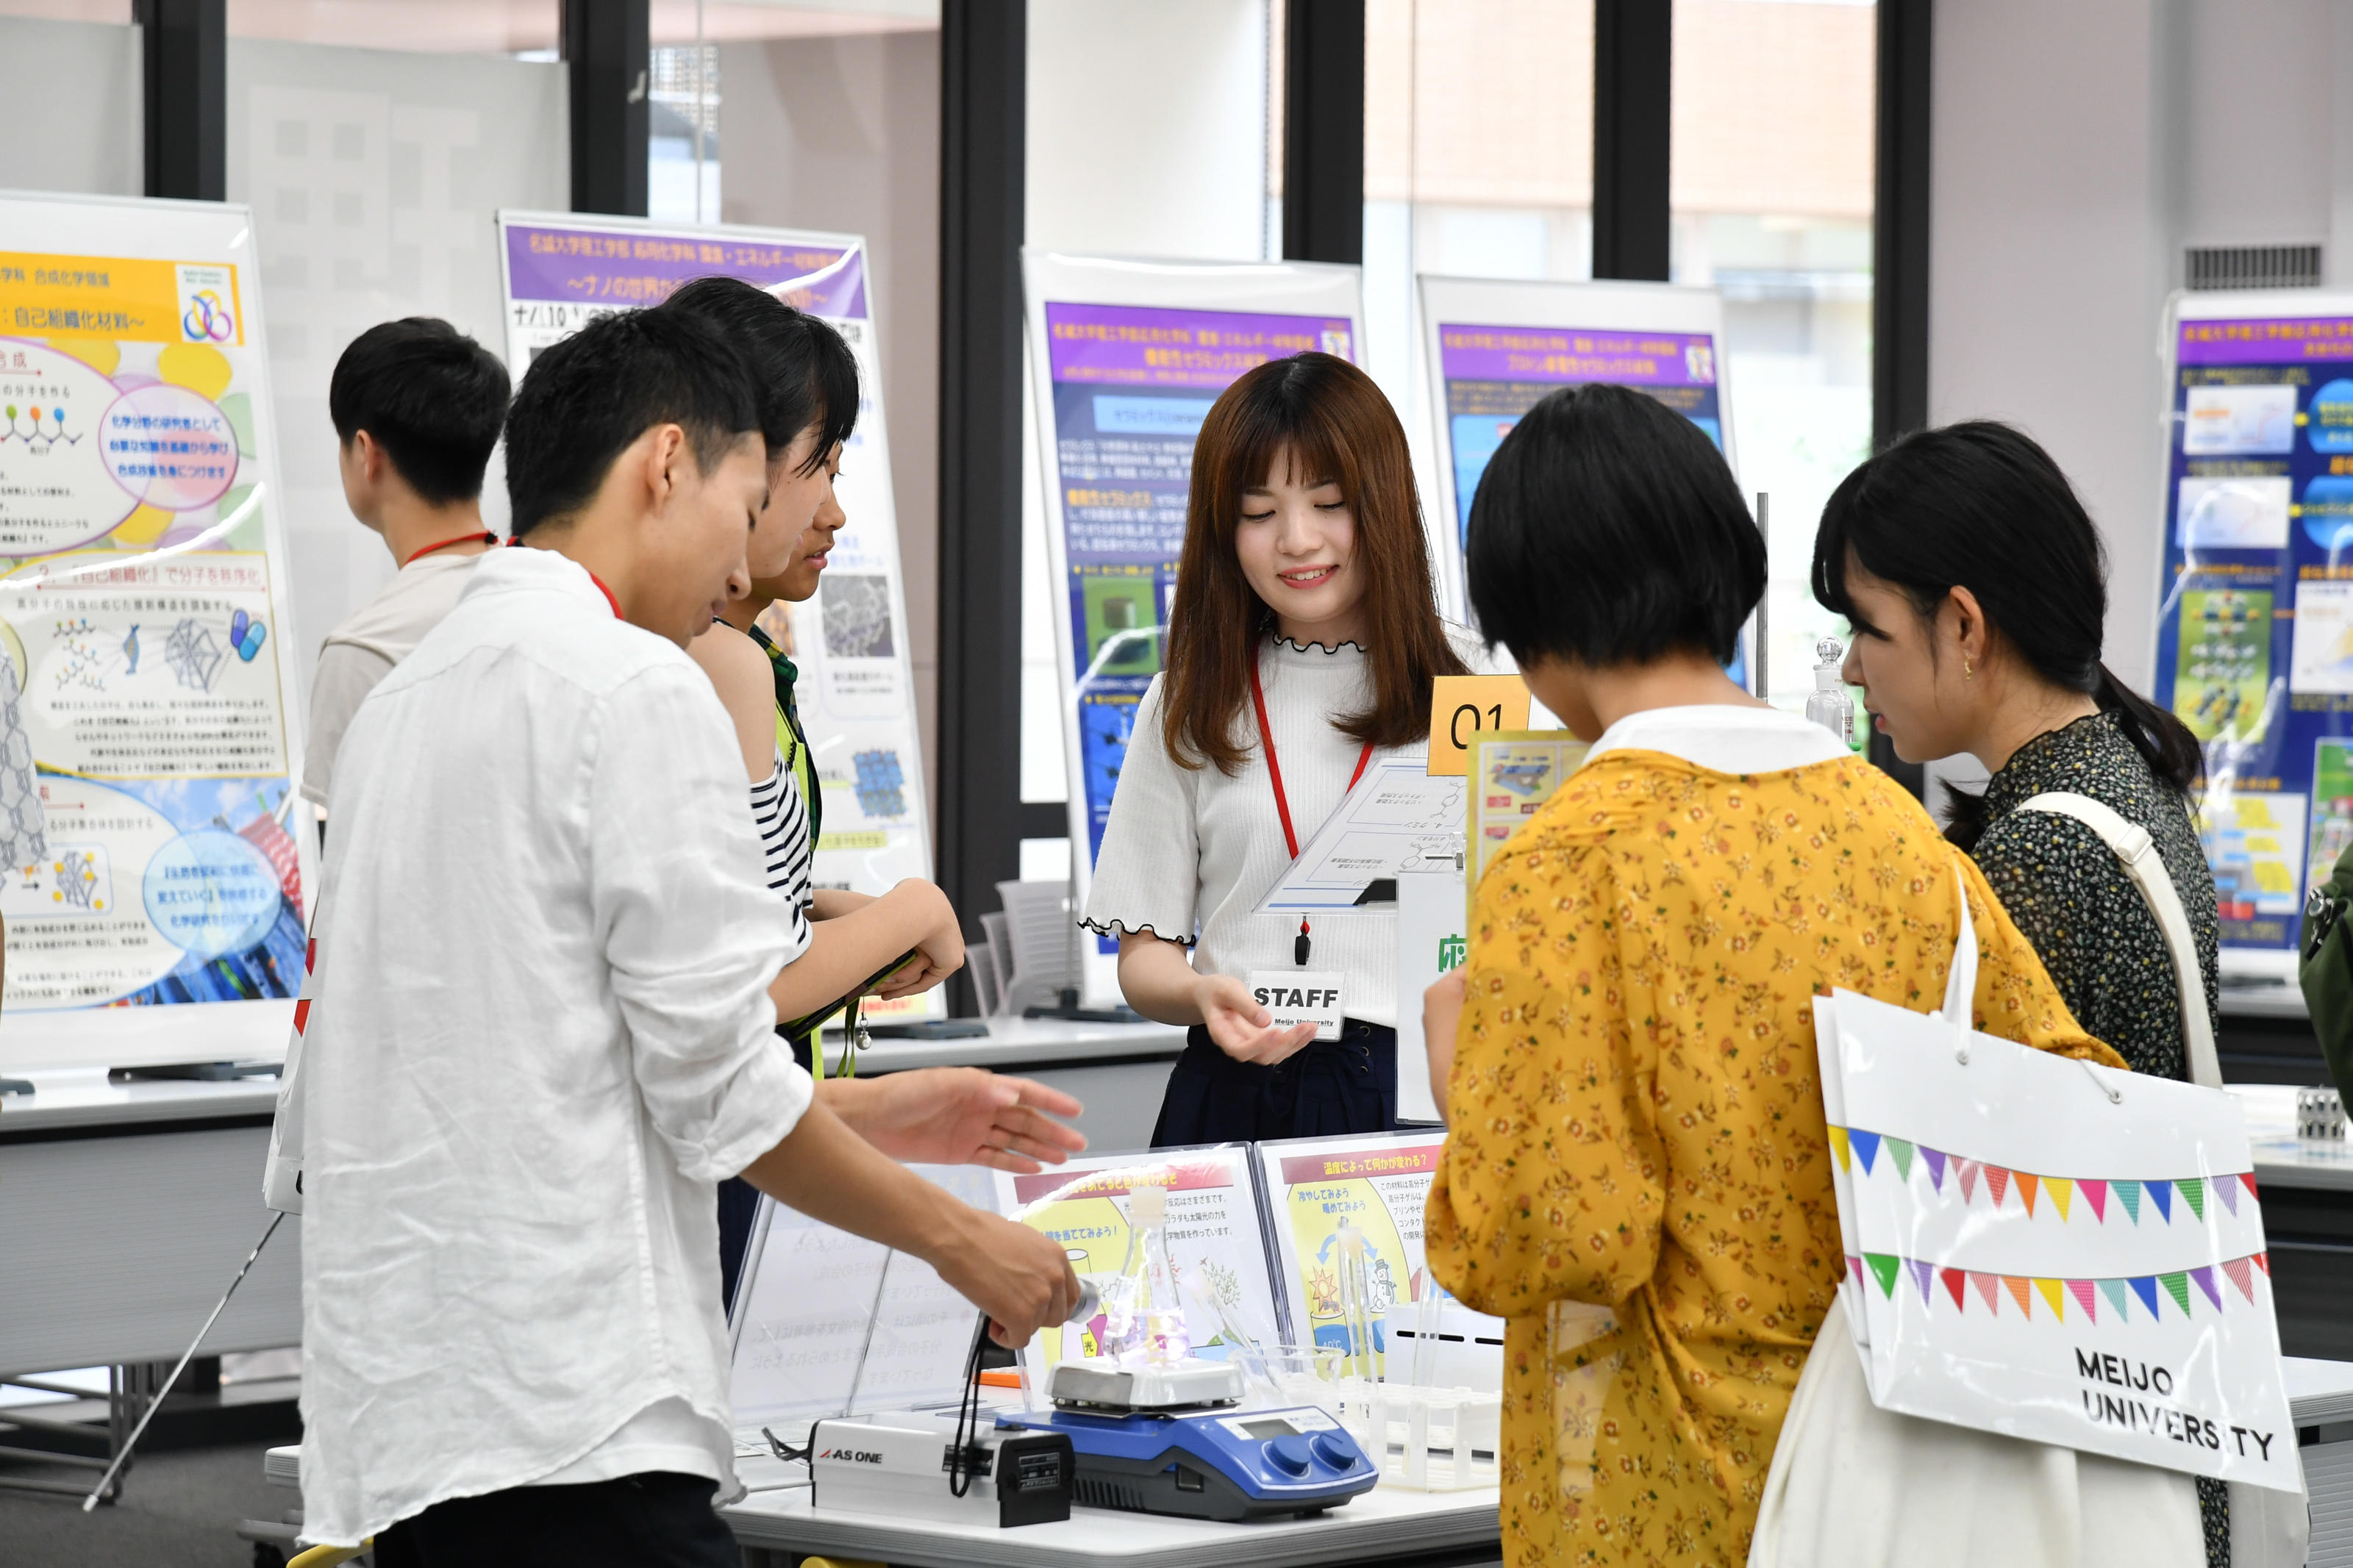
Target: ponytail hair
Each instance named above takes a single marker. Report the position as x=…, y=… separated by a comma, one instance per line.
x=1980, y=506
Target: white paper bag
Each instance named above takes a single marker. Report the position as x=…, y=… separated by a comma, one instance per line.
x=2049, y=1250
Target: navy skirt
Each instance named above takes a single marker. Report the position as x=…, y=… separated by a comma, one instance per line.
x=1333, y=1086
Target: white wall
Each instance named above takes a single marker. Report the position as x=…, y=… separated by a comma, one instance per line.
x=374, y=176
x=71, y=102
x=1147, y=136
x=1148, y=128
x=2078, y=149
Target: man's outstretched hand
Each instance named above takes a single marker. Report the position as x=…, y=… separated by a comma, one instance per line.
x=959, y=1116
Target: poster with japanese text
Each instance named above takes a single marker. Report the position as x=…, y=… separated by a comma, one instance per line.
x=1126, y=359
x=1492, y=350
x=1321, y=1189
x=1216, y=1246
x=856, y=684
x=2254, y=630
x=146, y=733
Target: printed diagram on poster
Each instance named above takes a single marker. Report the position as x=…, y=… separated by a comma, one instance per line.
x=2332, y=808
x=2223, y=671
x=2255, y=842
x=856, y=687
x=1126, y=359
x=2254, y=627
x=1216, y=1247
x=146, y=735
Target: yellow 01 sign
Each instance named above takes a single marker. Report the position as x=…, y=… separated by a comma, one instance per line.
x=1464, y=707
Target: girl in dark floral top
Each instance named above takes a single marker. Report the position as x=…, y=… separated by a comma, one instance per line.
x=1974, y=582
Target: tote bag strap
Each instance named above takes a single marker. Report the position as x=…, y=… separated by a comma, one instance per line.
x=2133, y=845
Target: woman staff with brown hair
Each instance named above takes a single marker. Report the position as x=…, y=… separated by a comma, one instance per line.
x=1300, y=644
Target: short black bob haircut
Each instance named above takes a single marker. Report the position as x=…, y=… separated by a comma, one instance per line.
x=587, y=398
x=808, y=377
x=432, y=397
x=1607, y=530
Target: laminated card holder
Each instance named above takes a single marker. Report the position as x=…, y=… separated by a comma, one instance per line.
x=2036, y=1248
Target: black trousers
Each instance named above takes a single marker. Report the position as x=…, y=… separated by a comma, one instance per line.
x=651, y=1521
x=1347, y=1085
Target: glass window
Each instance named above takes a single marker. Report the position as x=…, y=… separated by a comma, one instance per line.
x=1478, y=160
x=426, y=26
x=1770, y=184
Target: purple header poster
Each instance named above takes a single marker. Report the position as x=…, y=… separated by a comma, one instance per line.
x=1131, y=386
x=1494, y=374
x=2254, y=636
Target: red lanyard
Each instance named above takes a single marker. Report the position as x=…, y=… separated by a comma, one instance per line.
x=608, y=594
x=445, y=544
x=1282, y=801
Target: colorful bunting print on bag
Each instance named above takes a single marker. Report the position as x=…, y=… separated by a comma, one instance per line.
x=1997, y=1182
x=1888, y=1268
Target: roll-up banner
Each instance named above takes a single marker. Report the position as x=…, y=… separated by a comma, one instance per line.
x=2254, y=626
x=1125, y=357
x=154, y=889
x=1492, y=349
x=856, y=689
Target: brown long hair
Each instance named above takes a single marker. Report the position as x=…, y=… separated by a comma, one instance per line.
x=1334, y=424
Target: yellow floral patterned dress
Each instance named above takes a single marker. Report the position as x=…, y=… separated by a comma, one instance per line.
x=1637, y=1174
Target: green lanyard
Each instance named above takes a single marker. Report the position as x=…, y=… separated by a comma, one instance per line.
x=791, y=739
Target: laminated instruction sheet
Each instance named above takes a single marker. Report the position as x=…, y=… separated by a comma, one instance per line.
x=1319, y=1189
x=1514, y=772
x=828, y=1323
x=1214, y=1241
x=1398, y=819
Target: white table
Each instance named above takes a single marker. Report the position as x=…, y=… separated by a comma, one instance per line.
x=2282, y=1159
x=1376, y=1525
x=125, y=1208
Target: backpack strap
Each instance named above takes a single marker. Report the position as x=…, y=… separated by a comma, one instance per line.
x=2133, y=846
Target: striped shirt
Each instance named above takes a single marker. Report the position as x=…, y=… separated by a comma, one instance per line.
x=785, y=847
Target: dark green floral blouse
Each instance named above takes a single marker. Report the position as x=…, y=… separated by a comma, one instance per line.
x=2071, y=896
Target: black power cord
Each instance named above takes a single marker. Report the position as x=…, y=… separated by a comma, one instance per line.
x=963, y=1459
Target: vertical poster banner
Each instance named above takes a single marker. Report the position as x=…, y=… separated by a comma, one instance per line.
x=146, y=727
x=1126, y=359
x=1492, y=350
x=2254, y=632
x=856, y=689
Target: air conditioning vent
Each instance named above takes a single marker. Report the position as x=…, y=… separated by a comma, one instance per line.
x=2253, y=267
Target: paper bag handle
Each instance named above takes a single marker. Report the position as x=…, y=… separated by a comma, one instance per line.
x=1961, y=980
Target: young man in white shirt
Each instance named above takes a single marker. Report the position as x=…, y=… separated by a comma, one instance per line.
x=543, y=1030
x=418, y=407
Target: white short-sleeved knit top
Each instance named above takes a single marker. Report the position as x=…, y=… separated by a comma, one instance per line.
x=1188, y=853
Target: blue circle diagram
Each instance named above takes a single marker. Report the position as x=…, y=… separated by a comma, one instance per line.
x=210, y=892
x=2328, y=513
x=2331, y=418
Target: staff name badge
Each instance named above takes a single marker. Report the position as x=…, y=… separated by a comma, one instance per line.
x=1300, y=996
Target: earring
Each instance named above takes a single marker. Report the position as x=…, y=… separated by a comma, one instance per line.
x=1967, y=673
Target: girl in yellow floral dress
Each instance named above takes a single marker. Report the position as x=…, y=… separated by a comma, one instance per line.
x=1636, y=1171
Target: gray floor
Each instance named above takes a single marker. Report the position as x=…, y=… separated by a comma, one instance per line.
x=179, y=1509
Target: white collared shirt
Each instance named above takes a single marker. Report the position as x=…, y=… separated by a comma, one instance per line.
x=541, y=1035
x=1724, y=738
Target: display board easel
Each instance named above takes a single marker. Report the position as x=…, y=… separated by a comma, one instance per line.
x=1492, y=349
x=1126, y=356
x=154, y=890
x=560, y=271
x=2254, y=594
